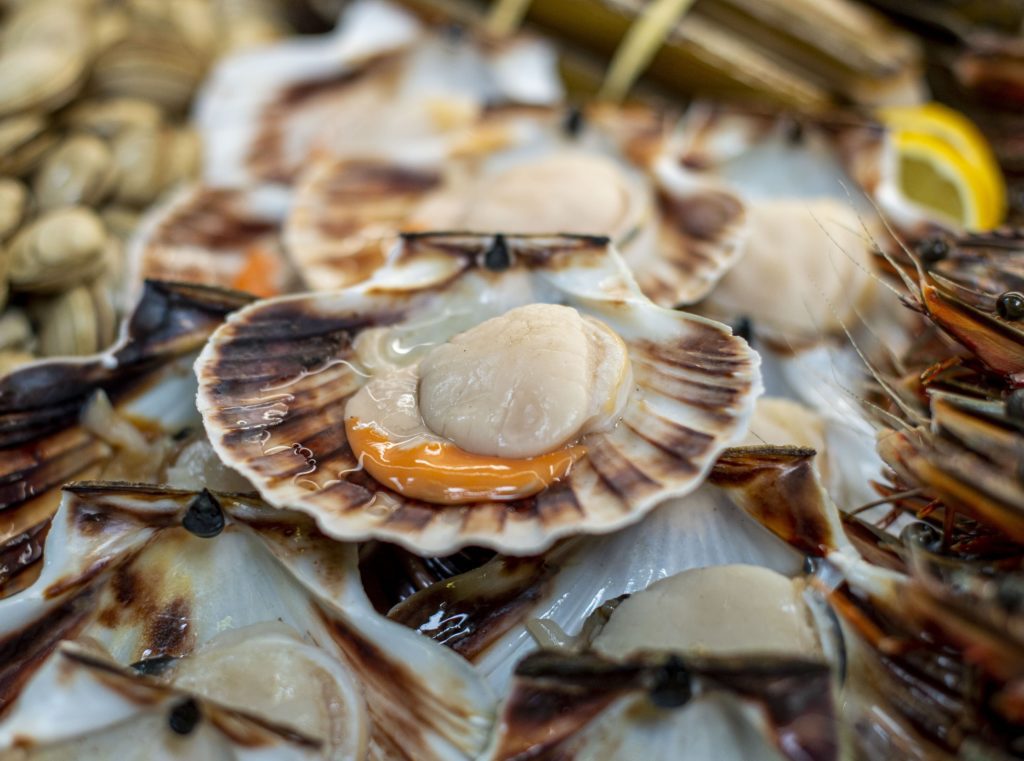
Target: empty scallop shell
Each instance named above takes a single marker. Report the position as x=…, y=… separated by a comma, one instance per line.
x=275, y=379
x=147, y=579
x=44, y=444
x=220, y=237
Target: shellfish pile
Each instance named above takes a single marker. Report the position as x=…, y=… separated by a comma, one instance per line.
x=451, y=421
x=94, y=98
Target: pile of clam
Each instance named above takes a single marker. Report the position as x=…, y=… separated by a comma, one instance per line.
x=94, y=98
x=540, y=433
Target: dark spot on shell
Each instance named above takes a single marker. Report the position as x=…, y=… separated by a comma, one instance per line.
x=154, y=666
x=744, y=328
x=497, y=258
x=1015, y=404
x=183, y=434
x=1010, y=594
x=1010, y=305
x=932, y=249
x=184, y=717
x=125, y=586
x=573, y=123
x=167, y=629
x=703, y=217
x=204, y=518
x=671, y=684
x=794, y=132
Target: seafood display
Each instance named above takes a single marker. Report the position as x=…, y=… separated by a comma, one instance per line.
x=93, y=129
x=395, y=390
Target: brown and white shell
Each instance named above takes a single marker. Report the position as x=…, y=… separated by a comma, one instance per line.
x=274, y=381
x=210, y=236
x=684, y=231
x=43, y=443
x=152, y=584
x=383, y=83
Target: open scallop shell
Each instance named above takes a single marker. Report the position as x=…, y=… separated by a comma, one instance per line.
x=683, y=230
x=381, y=82
x=274, y=381
x=189, y=588
x=211, y=236
x=667, y=707
x=43, y=443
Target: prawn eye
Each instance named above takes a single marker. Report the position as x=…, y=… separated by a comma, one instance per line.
x=1011, y=305
x=932, y=249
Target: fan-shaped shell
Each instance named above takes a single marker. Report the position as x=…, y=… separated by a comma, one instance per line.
x=684, y=231
x=157, y=578
x=382, y=83
x=212, y=236
x=274, y=381
x=42, y=442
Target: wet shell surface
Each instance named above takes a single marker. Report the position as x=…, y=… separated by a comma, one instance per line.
x=275, y=380
x=141, y=620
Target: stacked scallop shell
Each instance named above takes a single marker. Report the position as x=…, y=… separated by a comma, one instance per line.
x=493, y=481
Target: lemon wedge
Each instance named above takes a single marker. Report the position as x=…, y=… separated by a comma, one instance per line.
x=945, y=166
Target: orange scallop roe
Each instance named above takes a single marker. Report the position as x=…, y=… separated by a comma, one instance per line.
x=442, y=473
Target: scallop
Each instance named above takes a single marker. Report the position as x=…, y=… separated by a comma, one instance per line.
x=141, y=626
x=708, y=611
x=677, y=671
x=69, y=419
x=616, y=176
x=381, y=82
x=218, y=237
x=502, y=391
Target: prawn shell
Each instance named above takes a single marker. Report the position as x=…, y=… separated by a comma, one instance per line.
x=275, y=379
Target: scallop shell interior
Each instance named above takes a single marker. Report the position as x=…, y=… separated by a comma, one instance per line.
x=274, y=382
x=518, y=171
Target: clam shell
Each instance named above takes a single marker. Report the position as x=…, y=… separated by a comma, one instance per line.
x=78, y=171
x=281, y=426
x=261, y=111
x=57, y=249
x=150, y=575
x=149, y=161
x=151, y=64
x=24, y=140
x=77, y=322
x=39, y=77
x=210, y=236
x=484, y=613
x=664, y=706
x=43, y=445
x=13, y=205
x=381, y=86
x=109, y=117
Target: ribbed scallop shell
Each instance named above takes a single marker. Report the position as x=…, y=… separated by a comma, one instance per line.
x=209, y=236
x=382, y=83
x=42, y=443
x=274, y=381
x=156, y=577
x=690, y=232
